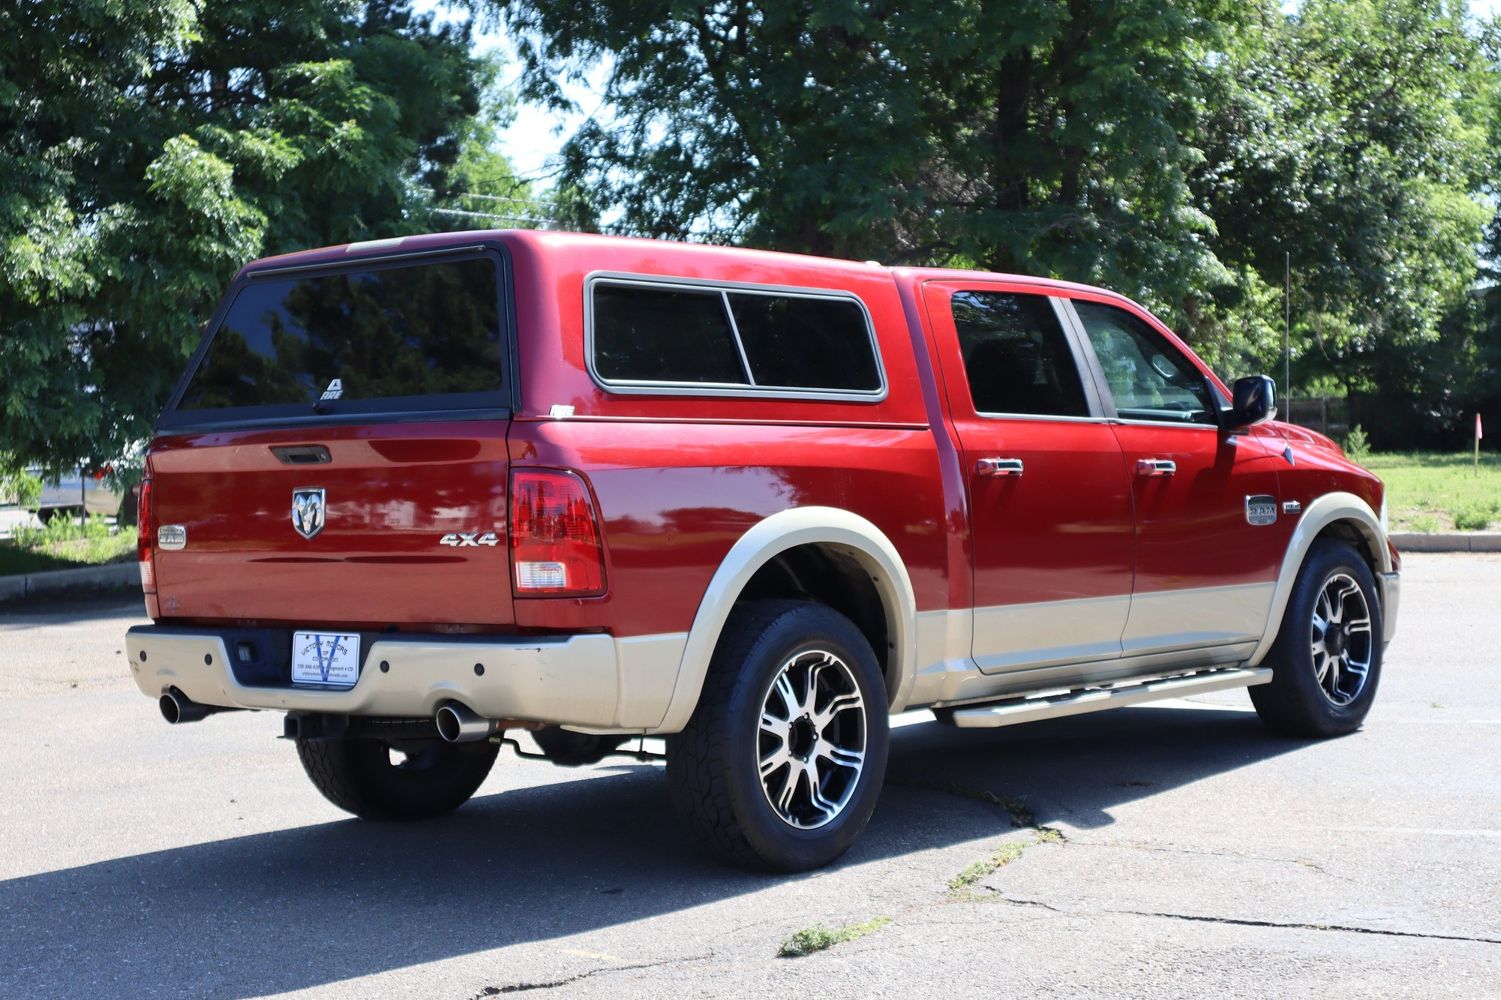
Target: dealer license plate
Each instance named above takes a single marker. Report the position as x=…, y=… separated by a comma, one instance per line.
x=328, y=659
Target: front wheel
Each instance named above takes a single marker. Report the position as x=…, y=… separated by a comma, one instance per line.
x=1326, y=661
x=782, y=762
x=397, y=780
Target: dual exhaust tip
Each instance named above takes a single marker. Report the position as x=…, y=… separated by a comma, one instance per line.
x=456, y=723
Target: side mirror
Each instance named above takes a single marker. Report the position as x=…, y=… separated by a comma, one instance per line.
x=1254, y=402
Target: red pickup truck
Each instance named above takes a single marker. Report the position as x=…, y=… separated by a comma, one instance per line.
x=419, y=492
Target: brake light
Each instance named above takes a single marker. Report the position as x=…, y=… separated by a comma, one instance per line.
x=555, y=541
x=146, y=534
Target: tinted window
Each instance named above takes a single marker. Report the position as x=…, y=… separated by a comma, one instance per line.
x=1016, y=357
x=808, y=343
x=1148, y=377
x=663, y=335
x=419, y=330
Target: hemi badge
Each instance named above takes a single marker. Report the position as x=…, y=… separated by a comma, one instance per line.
x=1291, y=507
x=172, y=537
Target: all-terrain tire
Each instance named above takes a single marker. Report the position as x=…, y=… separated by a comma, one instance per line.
x=1296, y=702
x=359, y=775
x=715, y=765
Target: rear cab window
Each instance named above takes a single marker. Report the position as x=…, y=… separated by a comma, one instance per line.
x=400, y=335
x=665, y=336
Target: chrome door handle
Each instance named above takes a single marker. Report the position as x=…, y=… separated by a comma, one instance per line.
x=998, y=467
x=1155, y=467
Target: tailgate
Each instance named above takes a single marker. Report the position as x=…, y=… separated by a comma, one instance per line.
x=412, y=528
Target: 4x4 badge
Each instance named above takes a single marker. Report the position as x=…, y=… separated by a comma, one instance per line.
x=469, y=539
x=308, y=510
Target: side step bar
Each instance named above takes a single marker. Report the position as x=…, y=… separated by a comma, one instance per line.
x=1098, y=699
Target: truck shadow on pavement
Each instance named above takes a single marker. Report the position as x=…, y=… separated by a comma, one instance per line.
x=304, y=907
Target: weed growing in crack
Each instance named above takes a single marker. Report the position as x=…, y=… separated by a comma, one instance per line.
x=811, y=939
x=959, y=885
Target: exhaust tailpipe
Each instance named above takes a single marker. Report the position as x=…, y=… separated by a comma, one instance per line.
x=177, y=707
x=458, y=724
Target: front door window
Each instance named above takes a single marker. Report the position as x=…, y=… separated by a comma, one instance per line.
x=1148, y=378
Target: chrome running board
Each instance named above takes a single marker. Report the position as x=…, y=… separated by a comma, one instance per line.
x=1097, y=699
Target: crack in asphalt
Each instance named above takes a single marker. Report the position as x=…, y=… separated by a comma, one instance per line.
x=1247, y=921
x=1132, y=846
x=495, y=991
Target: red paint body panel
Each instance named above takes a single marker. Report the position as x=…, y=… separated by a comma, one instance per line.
x=1191, y=527
x=393, y=491
x=674, y=497
x=1061, y=531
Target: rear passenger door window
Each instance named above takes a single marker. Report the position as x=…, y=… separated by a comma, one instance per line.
x=1017, y=358
x=660, y=335
x=1148, y=377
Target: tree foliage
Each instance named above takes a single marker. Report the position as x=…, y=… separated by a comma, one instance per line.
x=1046, y=135
x=149, y=148
x=1176, y=152
x=1352, y=142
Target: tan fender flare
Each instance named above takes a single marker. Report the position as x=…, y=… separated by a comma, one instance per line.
x=1328, y=509
x=784, y=530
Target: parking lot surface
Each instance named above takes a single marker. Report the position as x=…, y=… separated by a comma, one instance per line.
x=1175, y=850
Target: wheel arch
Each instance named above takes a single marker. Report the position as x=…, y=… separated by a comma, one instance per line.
x=767, y=546
x=1343, y=516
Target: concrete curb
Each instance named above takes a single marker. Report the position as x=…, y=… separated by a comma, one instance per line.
x=1449, y=541
x=68, y=580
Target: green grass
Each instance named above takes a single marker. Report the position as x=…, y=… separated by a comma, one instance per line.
x=64, y=544
x=1438, y=491
x=811, y=939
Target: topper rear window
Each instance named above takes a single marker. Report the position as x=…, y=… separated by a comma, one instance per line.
x=424, y=333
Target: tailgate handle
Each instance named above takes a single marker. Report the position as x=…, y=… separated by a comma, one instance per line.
x=302, y=454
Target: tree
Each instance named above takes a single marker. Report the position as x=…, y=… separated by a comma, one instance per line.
x=1045, y=136
x=148, y=149
x=1352, y=136
x=1176, y=152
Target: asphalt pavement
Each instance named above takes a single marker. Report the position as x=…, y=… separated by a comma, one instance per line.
x=1164, y=851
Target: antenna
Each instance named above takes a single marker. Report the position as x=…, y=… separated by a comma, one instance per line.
x=1287, y=323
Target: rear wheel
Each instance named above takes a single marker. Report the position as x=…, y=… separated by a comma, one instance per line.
x=1326, y=661
x=782, y=762
x=396, y=780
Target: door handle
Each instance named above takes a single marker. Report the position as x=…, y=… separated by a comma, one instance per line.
x=1155, y=467
x=998, y=467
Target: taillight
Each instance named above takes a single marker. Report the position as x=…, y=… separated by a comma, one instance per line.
x=146, y=534
x=555, y=544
